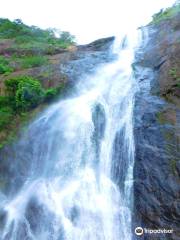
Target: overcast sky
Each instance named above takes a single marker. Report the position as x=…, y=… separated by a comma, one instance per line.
x=86, y=19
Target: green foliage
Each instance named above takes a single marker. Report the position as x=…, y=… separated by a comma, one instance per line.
x=6, y=115
x=61, y=88
x=12, y=84
x=23, y=94
x=33, y=61
x=24, y=34
x=166, y=14
x=50, y=94
x=66, y=37
x=29, y=94
x=9, y=29
x=26, y=92
x=4, y=60
x=5, y=69
x=26, y=48
x=4, y=101
x=4, y=66
x=173, y=72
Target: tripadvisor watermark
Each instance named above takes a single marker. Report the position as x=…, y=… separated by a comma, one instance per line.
x=139, y=231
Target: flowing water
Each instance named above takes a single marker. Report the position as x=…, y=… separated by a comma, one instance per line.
x=81, y=154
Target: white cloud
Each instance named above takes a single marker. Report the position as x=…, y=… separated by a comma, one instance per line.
x=87, y=19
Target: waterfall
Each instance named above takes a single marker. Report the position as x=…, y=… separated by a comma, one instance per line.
x=80, y=153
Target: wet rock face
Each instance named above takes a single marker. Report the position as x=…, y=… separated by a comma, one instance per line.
x=99, y=45
x=69, y=66
x=157, y=134
x=99, y=121
x=65, y=66
x=162, y=53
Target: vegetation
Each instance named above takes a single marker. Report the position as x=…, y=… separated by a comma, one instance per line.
x=28, y=45
x=50, y=94
x=23, y=94
x=33, y=61
x=6, y=115
x=4, y=66
x=23, y=34
x=166, y=14
x=31, y=40
x=23, y=47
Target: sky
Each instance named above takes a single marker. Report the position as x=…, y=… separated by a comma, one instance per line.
x=86, y=19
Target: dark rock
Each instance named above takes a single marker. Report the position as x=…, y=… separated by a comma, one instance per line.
x=36, y=212
x=157, y=133
x=98, y=45
x=99, y=121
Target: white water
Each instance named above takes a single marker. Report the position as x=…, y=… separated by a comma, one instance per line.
x=72, y=176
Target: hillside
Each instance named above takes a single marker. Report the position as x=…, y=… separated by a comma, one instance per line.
x=32, y=71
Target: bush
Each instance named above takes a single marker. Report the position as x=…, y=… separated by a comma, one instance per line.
x=5, y=69
x=29, y=94
x=33, y=61
x=61, y=88
x=3, y=60
x=66, y=37
x=4, y=66
x=6, y=115
x=4, y=101
x=26, y=92
x=50, y=94
x=33, y=40
x=12, y=84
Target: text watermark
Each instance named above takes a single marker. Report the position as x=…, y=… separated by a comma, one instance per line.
x=139, y=231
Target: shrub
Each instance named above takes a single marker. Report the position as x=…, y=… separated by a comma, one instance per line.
x=29, y=94
x=12, y=84
x=33, y=61
x=23, y=34
x=66, y=37
x=26, y=92
x=5, y=69
x=50, y=94
x=3, y=60
x=4, y=66
x=4, y=101
x=6, y=115
x=22, y=94
x=61, y=88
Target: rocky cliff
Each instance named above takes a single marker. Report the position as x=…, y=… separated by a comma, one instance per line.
x=157, y=130
x=69, y=66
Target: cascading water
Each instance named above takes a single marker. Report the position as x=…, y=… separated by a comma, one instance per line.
x=81, y=153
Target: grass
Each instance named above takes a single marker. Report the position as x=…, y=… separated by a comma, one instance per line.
x=4, y=66
x=33, y=61
x=26, y=47
x=33, y=39
x=6, y=115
